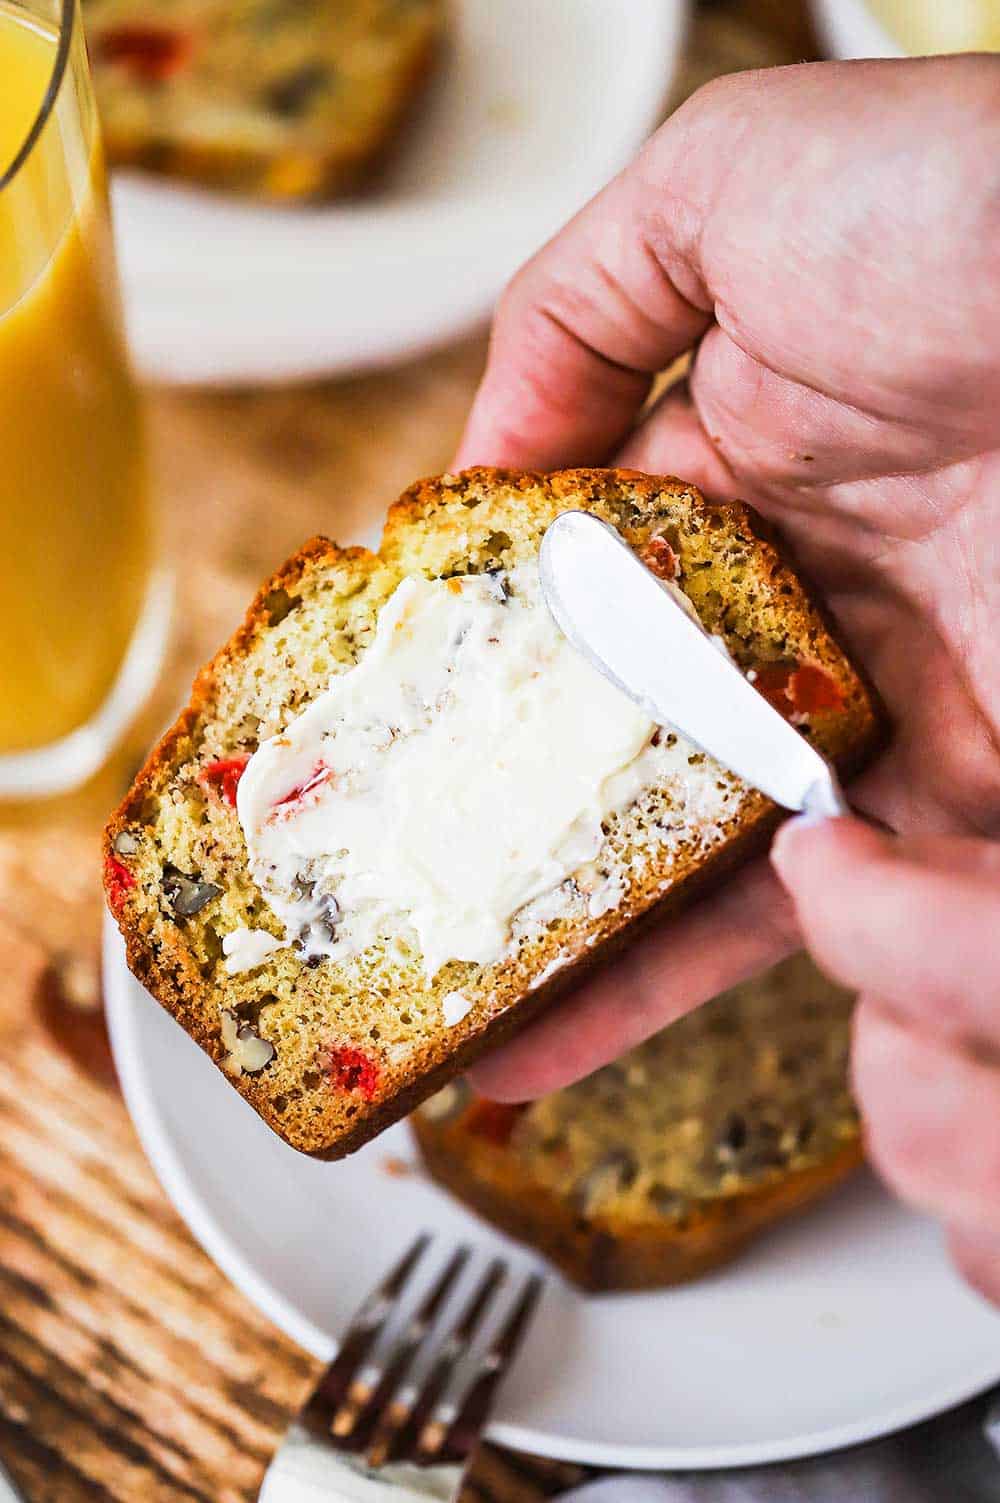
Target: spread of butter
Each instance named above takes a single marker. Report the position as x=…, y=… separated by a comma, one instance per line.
x=454, y=1007
x=459, y=771
x=246, y=948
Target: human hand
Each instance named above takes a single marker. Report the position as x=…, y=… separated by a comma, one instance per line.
x=829, y=238
x=913, y=925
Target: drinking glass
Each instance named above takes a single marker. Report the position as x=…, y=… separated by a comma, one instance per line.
x=926, y=26
x=83, y=610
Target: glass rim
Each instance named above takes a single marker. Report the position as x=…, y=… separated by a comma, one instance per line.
x=67, y=20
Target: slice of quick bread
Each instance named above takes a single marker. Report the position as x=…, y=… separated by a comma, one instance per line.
x=447, y=821
x=286, y=99
x=668, y=1162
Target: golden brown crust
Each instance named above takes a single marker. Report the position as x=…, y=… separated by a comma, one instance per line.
x=172, y=983
x=162, y=959
x=605, y=1255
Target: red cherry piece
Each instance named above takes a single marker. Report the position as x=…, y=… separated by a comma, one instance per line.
x=814, y=689
x=796, y=689
x=493, y=1120
x=660, y=558
x=118, y=880
x=320, y=774
x=150, y=53
x=353, y=1070
x=224, y=776
x=773, y=680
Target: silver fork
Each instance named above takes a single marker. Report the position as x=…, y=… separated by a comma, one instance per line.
x=399, y=1411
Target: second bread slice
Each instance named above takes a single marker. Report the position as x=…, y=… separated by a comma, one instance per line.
x=331, y=1044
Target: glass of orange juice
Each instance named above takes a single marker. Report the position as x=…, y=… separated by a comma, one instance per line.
x=927, y=26
x=83, y=608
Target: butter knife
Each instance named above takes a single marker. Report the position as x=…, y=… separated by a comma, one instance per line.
x=635, y=629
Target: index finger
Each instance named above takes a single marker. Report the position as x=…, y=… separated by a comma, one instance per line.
x=584, y=326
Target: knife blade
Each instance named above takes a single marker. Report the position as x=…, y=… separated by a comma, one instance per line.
x=636, y=631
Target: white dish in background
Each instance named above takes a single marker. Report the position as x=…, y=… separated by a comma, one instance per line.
x=838, y=1327
x=535, y=108
x=847, y=28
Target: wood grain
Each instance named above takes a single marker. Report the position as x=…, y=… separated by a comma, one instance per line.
x=130, y=1369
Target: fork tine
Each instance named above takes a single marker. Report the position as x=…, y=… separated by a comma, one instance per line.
x=404, y=1418
x=367, y=1325
x=446, y=1438
x=368, y=1392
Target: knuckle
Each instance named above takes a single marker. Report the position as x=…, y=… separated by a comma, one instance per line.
x=725, y=91
x=529, y=287
x=515, y=297
x=718, y=109
x=517, y=290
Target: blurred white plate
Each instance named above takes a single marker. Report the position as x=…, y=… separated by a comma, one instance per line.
x=847, y=28
x=838, y=1327
x=536, y=107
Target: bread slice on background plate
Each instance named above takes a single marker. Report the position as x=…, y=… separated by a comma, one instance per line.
x=667, y=1163
x=282, y=99
x=448, y=825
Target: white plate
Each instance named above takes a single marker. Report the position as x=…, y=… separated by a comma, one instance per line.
x=839, y=1327
x=537, y=106
x=847, y=28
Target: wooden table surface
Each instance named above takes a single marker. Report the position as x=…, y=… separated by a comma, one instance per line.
x=129, y=1367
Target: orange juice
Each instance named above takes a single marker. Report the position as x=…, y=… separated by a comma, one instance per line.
x=74, y=515
x=927, y=26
